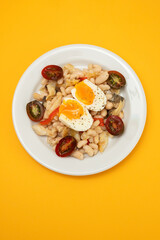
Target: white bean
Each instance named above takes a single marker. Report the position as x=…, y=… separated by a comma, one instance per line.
x=98, y=116
x=88, y=150
x=93, y=146
x=84, y=136
x=102, y=77
x=95, y=123
x=98, y=129
x=59, y=128
x=37, y=96
x=77, y=154
x=65, y=70
x=69, y=67
x=51, y=132
x=91, y=140
x=104, y=112
x=63, y=91
x=81, y=143
x=67, y=77
x=54, y=141
x=68, y=89
x=64, y=132
x=40, y=130
x=109, y=105
x=44, y=81
x=59, y=94
x=76, y=135
x=91, y=132
x=104, y=87
x=76, y=74
x=108, y=96
x=60, y=81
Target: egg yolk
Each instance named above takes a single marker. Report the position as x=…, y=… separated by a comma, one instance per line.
x=71, y=109
x=84, y=93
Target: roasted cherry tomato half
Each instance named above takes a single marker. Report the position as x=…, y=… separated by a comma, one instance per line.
x=52, y=72
x=35, y=111
x=114, y=125
x=116, y=80
x=66, y=146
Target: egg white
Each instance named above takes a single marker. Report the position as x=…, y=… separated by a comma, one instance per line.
x=99, y=101
x=81, y=124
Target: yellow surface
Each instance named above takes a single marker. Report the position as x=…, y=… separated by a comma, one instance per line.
x=120, y=204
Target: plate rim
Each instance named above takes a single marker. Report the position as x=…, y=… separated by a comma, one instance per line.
x=126, y=65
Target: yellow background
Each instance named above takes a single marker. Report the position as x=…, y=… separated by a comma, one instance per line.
x=122, y=203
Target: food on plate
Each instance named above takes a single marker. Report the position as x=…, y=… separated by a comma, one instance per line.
x=52, y=72
x=118, y=104
x=116, y=80
x=101, y=121
x=66, y=146
x=114, y=125
x=74, y=115
x=78, y=110
x=35, y=110
x=51, y=116
x=89, y=95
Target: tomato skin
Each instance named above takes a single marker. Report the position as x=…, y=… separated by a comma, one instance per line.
x=82, y=78
x=35, y=110
x=52, y=72
x=116, y=80
x=114, y=125
x=101, y=121
x=66, y=146
x=51, y=116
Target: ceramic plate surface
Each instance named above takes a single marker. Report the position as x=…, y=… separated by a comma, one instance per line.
x=80, y=55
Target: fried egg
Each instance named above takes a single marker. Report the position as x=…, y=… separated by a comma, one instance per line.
x=89, y=95
x=74, y=115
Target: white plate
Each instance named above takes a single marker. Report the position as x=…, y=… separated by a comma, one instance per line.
x=80, y=55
